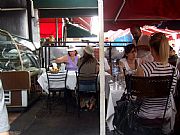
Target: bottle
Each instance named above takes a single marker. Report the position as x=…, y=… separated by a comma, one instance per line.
x=115, y=68
x=62, y=67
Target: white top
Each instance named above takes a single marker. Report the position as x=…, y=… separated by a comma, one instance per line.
x=124, y=61
x=4, y=123
x=106, y=65
x=144, y=55
x=143, y=40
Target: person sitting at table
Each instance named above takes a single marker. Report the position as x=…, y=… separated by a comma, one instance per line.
x=106, y=64
x=152, y=108
x=4, y=124
x=71, y=59
x=130, y=62
x=88, y=64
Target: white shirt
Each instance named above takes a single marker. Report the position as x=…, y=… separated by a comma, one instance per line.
x=128, y=69
x=143, y=40
x=144, y=55
x=106, y=65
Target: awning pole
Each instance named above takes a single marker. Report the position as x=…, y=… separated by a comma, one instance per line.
x=57, y=30
x=102, y=74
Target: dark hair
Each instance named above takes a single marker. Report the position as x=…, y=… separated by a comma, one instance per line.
x=171, y=49
x=136, y=27
x=75, y=53
x=128, y=49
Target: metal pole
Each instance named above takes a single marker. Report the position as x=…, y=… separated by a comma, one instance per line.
x=102, y=74
x=57, y=30
x=29, y=15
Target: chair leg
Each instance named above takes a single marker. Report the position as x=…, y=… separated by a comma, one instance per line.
x=66, y=98
x=49, y=102
x=78, y=105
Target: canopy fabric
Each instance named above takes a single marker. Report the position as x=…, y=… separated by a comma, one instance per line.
x=48, y=27
x=66, y=8
x=170, y=34
x=120, y=14
x=77, y=32
x=85, y=22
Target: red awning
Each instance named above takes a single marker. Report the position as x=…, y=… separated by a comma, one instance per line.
x=48, y=27
x=121, y=14
x=170, y=34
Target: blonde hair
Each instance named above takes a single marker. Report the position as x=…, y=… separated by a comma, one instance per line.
x=161, y=46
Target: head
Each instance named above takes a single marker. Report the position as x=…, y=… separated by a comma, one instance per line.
x=136, y=32
x=130, y=51
x=51, y=38
x=89, y=50
x=159, y=47
x=72, y=51
x=171, y=51
x=88, y=54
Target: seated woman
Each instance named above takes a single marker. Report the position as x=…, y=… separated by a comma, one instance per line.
x=4, y=124
x=153, y=108
x=71, y=59
x=130, y=61
x=88, y=64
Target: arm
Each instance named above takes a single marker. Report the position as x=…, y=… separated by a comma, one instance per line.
x=121, y=65
x=106, y=66
x=4, y=133
x=62, y=59
x=140, y=72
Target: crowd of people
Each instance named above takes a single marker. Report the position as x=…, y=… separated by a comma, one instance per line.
x=146, y=56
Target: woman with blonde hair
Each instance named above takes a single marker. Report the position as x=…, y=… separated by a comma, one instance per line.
x=153, y=108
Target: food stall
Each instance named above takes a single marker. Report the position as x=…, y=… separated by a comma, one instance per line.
x=18, y=62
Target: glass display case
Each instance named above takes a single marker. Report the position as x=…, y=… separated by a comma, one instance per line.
x=16, y=55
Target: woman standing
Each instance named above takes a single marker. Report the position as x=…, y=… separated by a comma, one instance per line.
x=71, y=59
x=154, y=108
x=4, y=124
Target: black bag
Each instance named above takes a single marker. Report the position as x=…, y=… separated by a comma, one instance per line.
x=125, y=114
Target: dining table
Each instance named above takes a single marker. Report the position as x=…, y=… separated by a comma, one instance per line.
x=116, y=90
x=70, y=81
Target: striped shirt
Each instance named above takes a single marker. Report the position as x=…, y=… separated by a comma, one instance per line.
x=152, y=108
